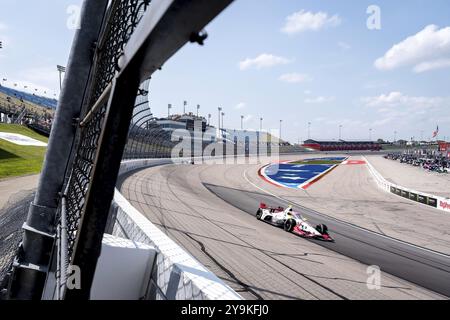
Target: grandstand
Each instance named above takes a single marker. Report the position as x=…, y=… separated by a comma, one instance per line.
x=342, y=145
x=31, y=98
x=22, y=108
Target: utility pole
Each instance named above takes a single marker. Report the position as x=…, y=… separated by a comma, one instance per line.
x=242, y=122
x=198, y=108
x=184, y=107
x=223, y=114
x=260, y=124
x=60, y=69
x=209, y=119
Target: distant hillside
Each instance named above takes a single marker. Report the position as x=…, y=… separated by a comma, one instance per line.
x=35, y=99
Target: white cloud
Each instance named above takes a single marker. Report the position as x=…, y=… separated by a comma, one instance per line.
x=344, y=45
x=319, y=100
x=308, y=21
x=240, y=105
x=295, y=77
x=432, y=65
x=398, y=99
x=427, y=50
x=263, y=61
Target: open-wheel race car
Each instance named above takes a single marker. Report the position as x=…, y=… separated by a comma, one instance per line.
x=293, y=222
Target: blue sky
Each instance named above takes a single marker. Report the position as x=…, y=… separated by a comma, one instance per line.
x=295, y=60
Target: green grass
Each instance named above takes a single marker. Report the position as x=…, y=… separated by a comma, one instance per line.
x=316, y=162
x=16, y=160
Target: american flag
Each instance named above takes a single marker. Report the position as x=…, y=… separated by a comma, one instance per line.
x=435, y=133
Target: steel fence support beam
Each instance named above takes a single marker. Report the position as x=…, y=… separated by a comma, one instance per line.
x=165, y=27
x=31, y=264
x=101, y=189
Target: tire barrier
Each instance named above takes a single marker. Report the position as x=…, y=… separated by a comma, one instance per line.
x=436, y=202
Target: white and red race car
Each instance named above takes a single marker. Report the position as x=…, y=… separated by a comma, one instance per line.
x=292, y=222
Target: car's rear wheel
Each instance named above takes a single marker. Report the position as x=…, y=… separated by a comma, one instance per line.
x=289, y=225
x=259, y=214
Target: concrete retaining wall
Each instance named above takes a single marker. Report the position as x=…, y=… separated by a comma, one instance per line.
x=433, y=201
x=175, y=275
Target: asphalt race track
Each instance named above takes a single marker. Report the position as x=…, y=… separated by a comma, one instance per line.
x=209, y=210
x=421, y=266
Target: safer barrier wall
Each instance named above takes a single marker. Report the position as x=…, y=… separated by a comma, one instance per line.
x=176, y=275
x=436, y=202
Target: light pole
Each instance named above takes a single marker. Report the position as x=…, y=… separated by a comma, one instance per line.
x=60, y=69
x=218, y=124
x=209, y=119
x=242, y=122
x=184, y=106
x=395, y=137
x=260, y=124
x=309, y=130
x=281, y=121
x=223, y=113
x=198, y=108
x=340, y=131
x=370, y=134
x=168, y=110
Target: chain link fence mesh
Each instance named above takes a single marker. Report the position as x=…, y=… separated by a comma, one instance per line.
x=121, y=20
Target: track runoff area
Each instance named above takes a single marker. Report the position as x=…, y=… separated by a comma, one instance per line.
x=210, y=211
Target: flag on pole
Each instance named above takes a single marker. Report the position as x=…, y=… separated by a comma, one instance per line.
x=435, y=133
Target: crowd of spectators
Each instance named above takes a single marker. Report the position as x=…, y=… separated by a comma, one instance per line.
x=428, y=160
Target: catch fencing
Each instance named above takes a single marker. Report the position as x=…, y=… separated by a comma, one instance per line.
x=119, y=45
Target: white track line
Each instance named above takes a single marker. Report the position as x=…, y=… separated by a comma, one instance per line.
x=346, y=223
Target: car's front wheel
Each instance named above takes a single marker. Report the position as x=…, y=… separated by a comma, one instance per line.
x=289, y=225
x=259, y=214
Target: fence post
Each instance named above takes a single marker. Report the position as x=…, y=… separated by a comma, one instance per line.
x=31, y=265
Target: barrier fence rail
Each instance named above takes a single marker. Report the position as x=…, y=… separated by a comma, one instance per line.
x=119, y=45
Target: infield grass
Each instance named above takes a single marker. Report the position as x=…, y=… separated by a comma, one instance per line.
x=17, y=160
